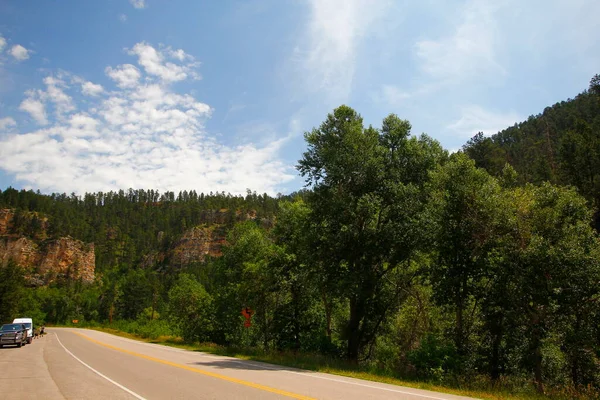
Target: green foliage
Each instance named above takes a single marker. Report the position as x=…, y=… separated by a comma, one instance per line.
x=365, y=207
x=136, y=294
x=595, y=85
x=191, y=309
x=559, y=145
x=12, y=293
x=464, y=205
x=127, y=226
x=148, y=329
x=434, y=358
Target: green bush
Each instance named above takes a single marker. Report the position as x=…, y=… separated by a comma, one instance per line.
x=434, y=358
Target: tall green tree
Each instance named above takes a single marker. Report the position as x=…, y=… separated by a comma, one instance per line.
x=243, y=277
x=595, y=84
x=366, y=201
x=554, y=260
x=12, y=288
x=464, y=204
x=300, y=321
x=136, y=293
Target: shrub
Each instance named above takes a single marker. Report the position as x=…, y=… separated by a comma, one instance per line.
x=434, y=358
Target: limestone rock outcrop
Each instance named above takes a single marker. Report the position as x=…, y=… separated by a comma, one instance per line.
x=45, y=260
x=196, y=244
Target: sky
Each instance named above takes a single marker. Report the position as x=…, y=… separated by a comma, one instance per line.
x=216, y=95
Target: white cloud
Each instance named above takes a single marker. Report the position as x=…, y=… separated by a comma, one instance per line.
x=139, y=4
x=19, y=52
x=469, y=52
x=392, y=96
x=6, y=123
x=55, y=93
x=91, y=89
x=122, y=17
x=327, y=55
x=154, y=63
x=36, y=109
x=141, y=135
x=476, y=119
x=2, y=43
x=126, y=75
x=179, y=54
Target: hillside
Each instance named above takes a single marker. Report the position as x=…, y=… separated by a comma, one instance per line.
x=560, y=145
x=136, y=228
x=24, y=241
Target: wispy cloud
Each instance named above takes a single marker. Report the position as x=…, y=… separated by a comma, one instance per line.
x=325, y=57
x=35, y=108
x=469, y=52
x=55, y=92
x=6, y=123
x=391, y=95
x=155, y=62
x=139, y=133
x=2, y=43
x=476, y=119
x=122, y=17
x=139, y=4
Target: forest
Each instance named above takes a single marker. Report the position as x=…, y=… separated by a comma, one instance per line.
x=481, y=264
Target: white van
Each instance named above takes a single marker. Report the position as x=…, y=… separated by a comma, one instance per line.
x=28, y=322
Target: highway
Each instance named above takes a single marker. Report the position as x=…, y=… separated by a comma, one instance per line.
x=86, y=364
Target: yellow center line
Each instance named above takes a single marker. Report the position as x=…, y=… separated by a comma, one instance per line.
x=199, y=371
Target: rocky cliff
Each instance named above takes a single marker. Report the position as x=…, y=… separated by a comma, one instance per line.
x=197, y=243
x=45, y=260
x=5, y=218
x=205, y=240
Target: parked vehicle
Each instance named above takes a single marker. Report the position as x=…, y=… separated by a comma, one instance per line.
x=13, y=334
x=28, y=322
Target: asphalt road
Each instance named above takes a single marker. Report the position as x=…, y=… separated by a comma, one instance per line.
x=85, y=364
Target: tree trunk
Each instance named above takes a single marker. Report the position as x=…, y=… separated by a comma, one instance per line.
x=497, y=341
x=574, y=356
x=265, y=326
x=536, y=347
x=575, y=371
x=458, y=339
x=353, y=330
x=296, y=322
x=153, y=304
x=110, y=313
x=538, y=369
x=327, y=306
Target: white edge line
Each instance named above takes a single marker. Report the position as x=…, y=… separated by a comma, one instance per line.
x=137, y=396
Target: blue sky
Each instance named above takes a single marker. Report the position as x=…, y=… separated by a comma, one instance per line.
x=216, y=95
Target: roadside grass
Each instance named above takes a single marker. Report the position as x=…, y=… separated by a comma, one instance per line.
x=477, y=387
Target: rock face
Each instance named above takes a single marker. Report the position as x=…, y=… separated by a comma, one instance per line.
x=23, y=251
x=70, y=258
x=206, y=240
x=5, y=218
x=46, y=260
x=196, y=244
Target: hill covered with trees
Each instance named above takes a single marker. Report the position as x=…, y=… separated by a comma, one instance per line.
x=561, y=145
